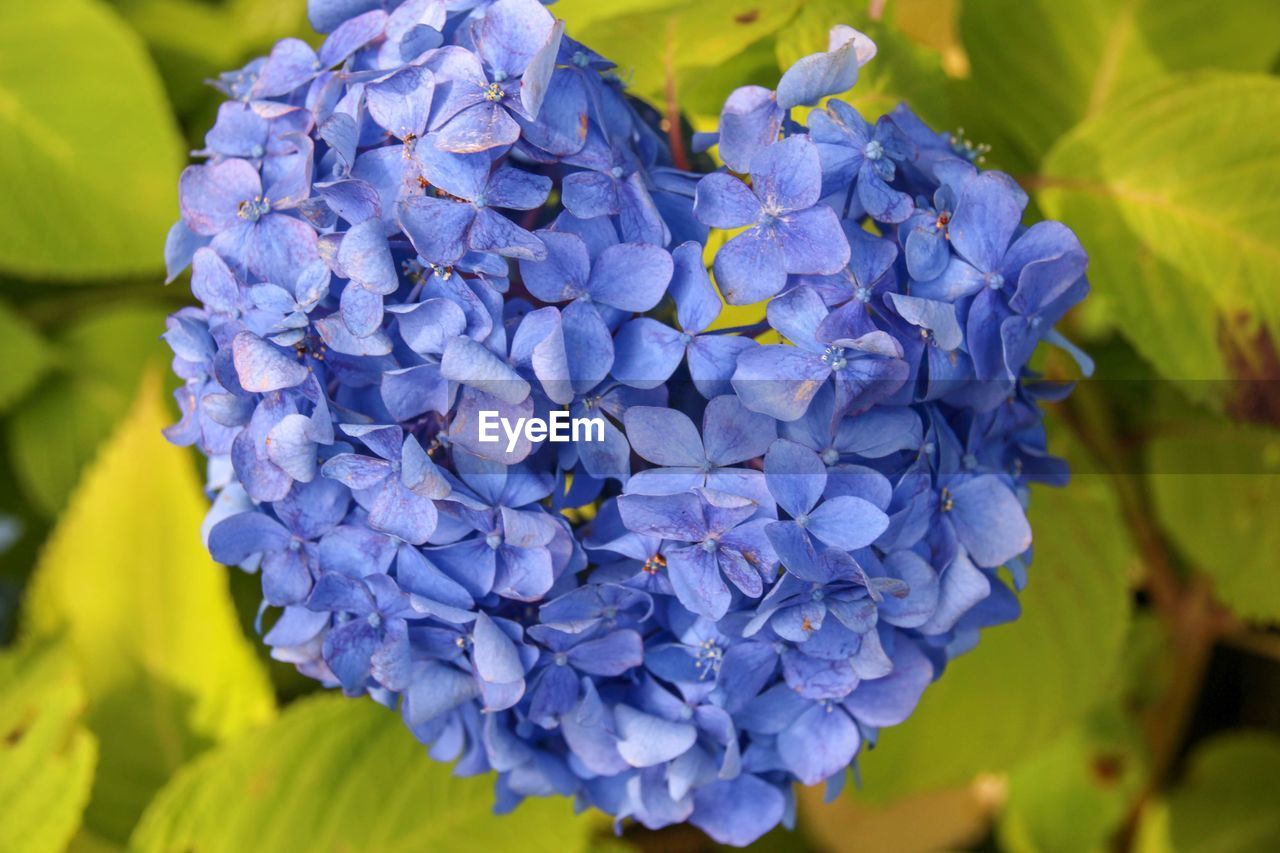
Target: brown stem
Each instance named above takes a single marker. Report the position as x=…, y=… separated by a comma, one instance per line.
x=1193, y=621
x=679, y=156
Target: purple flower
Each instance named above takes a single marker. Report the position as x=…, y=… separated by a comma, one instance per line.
x=817, y=75
x=451, y=212
x=797, y=480
x=730, y=435
x=788, y=232
x=503, y=80
x=855, y=153
x=720, y=542
x=648, y=352
x=458, y=215
x=397, y=486
x=249, y=225
x=624, y=277
x=779, y=380
x=371, y=639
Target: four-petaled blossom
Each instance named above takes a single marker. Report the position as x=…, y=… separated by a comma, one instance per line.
x=719, y=541
x=788, y=231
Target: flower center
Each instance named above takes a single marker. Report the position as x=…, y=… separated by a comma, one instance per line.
x=873, y=150
x=255, y=209
x=947, y=502
x=708, y=658
x=833, y=357
x=974, y=152
x=993, y=280
x=494, y=92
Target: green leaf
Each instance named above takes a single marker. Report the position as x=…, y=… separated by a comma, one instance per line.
x=1041, y=66
x=89, y=154
x=1227, y=800
x=1075, y=794
x=702, y=94
x=46, y=755
x=934, y=24
x=340, y=774
x=1028, y=682
x=578, y=14
x=1180, y=217
x=57, y=430
x=1216, y=487
x=677, y=43
x=24, y=355
x=193, y=41
x=902, y=71
x=147, y=615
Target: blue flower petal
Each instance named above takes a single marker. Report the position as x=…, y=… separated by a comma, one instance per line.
x=989, y=521
x=401, y=104
x=817, y=75
x=820, y=743
x=645, y=740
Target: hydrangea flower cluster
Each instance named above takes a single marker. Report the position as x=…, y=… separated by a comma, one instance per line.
x=767, y=551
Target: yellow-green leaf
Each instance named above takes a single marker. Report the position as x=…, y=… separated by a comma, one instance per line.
x=661, y=50
x=147, y=615
x=1179, y=209
x=46, y=754
x=1226, y=802
x=23, y=353
x=336, y=774
x=194, y=40
x=88, y=148
x=1075, y=794
x=1041, y=66
x=1216, y=487
x=62, y=422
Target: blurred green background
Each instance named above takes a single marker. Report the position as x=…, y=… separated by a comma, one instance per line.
x=1135, y=706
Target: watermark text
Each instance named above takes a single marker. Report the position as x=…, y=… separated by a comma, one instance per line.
x=558, y=427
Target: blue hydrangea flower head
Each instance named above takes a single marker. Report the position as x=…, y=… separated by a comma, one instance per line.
x=419, y=248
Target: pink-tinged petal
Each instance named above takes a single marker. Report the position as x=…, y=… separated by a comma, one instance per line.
x=211, y=195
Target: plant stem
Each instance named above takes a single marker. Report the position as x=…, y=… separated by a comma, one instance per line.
x=1192, y=619
x=675, y=139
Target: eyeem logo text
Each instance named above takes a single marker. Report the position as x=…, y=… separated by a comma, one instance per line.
x=559, y=428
